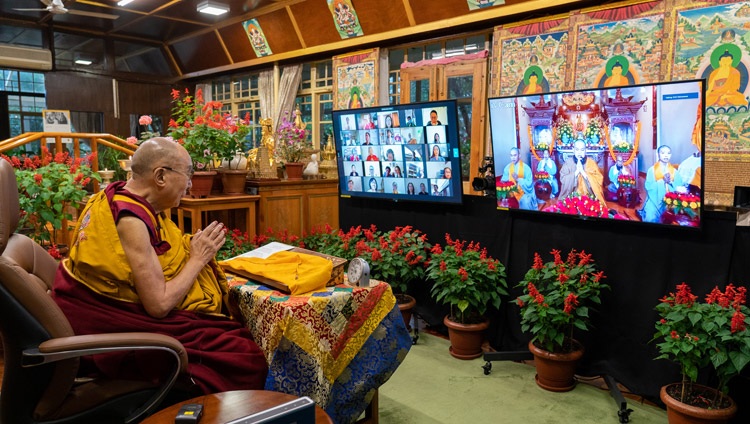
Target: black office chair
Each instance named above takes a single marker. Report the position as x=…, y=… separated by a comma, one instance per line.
x=40, y=381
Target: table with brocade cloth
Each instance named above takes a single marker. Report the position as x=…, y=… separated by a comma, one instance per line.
x=336, y=346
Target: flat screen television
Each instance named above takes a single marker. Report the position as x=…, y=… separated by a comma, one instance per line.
x=406, y=152
x=631, y=153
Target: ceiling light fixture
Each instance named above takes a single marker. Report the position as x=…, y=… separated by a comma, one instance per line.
x=124, y=2
x=212, y=8
x=84, y=62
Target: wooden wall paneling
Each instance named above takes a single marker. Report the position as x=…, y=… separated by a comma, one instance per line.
x=142, y=98
x=322, y=209
x=283, y=211
x=80, y=92
x=315, y=21
x=296, y=206
x=235, y=38
x=385, y=15
x=199, y=52
x=429, y=10
x=279, y=31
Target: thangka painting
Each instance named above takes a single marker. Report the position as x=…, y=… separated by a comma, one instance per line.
x=532, y=58
x=481, y=4
x=618, y=46
x=345, y=18
x=354, y=79
x=257, y=38
x=713, y=43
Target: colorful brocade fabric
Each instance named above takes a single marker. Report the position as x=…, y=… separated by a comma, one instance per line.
x=336, y=346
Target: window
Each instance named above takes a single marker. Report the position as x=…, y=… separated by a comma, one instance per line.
x=417, y=52
x=24, y=95
x=240, y=97
x=317, y=84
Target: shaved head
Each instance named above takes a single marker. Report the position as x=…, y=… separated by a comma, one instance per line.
x=156, y=152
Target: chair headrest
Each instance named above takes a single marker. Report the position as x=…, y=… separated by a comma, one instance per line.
x=9, y=209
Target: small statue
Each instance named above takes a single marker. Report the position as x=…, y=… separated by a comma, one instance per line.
x=311, y=170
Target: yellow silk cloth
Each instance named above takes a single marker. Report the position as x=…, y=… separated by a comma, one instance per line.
x=98, y=260
x=300, y=272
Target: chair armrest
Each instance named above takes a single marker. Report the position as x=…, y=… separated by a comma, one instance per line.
x=76, y=346
x=63, y=348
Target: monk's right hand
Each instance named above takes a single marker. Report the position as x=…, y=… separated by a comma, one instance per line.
x=205, y=243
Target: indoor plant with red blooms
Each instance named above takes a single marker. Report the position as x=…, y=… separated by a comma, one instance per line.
x=555, y=302
x=471, y=282
x=49, y=186
x=556, y=299
x=697, y=335
x=397, y=257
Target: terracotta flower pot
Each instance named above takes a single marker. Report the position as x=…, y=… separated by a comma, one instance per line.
x=293, y=170
x=406, y=305
x=466, y=339
x=682, y=413
x=556, y=371
x=202, y=181
x=233, y=180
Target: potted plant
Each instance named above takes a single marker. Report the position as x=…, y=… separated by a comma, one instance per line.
x=211, y=137
x=467, y=279
x=291, y=142
x=397, y=257
x=696, y=335
x=50, y=189
x=555, y=301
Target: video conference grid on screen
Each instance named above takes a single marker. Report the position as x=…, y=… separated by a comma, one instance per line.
x=588, y=143
x=407, y=152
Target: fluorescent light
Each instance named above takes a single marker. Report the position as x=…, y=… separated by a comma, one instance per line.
x=124, y=2
x=84, y=62
x=212, y=8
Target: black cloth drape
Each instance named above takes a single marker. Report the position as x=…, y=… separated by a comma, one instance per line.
x=642, y=263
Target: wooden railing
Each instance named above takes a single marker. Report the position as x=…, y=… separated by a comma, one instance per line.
x=94, y=140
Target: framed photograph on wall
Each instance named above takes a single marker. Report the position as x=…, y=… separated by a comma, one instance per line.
x=56, y=120
x=355, y=79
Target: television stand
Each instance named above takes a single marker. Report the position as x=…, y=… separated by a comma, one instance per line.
x=623, y=412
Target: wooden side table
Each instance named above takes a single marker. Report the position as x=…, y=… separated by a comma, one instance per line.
x=196, y=207
x=220, y=408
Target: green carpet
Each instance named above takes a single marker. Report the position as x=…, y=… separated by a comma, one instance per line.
x=432, y=387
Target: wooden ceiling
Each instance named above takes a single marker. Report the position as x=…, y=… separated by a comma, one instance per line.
x=196, y=44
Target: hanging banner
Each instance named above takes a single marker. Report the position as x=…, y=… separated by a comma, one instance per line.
x=257, y=38
x=345, y=18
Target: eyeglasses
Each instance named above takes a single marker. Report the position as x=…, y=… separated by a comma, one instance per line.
x=189, y=174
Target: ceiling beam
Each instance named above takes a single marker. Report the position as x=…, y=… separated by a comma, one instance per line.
x=486, y=15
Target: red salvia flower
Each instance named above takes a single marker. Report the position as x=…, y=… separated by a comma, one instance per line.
x=738, y=322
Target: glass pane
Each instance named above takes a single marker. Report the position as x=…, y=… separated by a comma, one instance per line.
x=419, y=91
x=454, y=47
x=434, y=51
x=475, y=43
x=395, y=59
x=324, y=74
x=415, y=54
x=461, y=88
x=14, y=103
x=10, y=80
x=306, y=82
x=15, y=124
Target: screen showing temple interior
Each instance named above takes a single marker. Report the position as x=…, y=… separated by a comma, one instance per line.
x=631, y=153
x=404, y=152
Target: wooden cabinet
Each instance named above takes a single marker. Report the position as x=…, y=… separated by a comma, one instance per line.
x=297, y=206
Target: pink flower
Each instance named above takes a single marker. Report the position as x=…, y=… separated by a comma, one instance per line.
x=144, y=120
x=131, y=140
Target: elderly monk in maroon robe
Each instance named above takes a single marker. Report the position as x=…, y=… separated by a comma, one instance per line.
x=131, y=269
